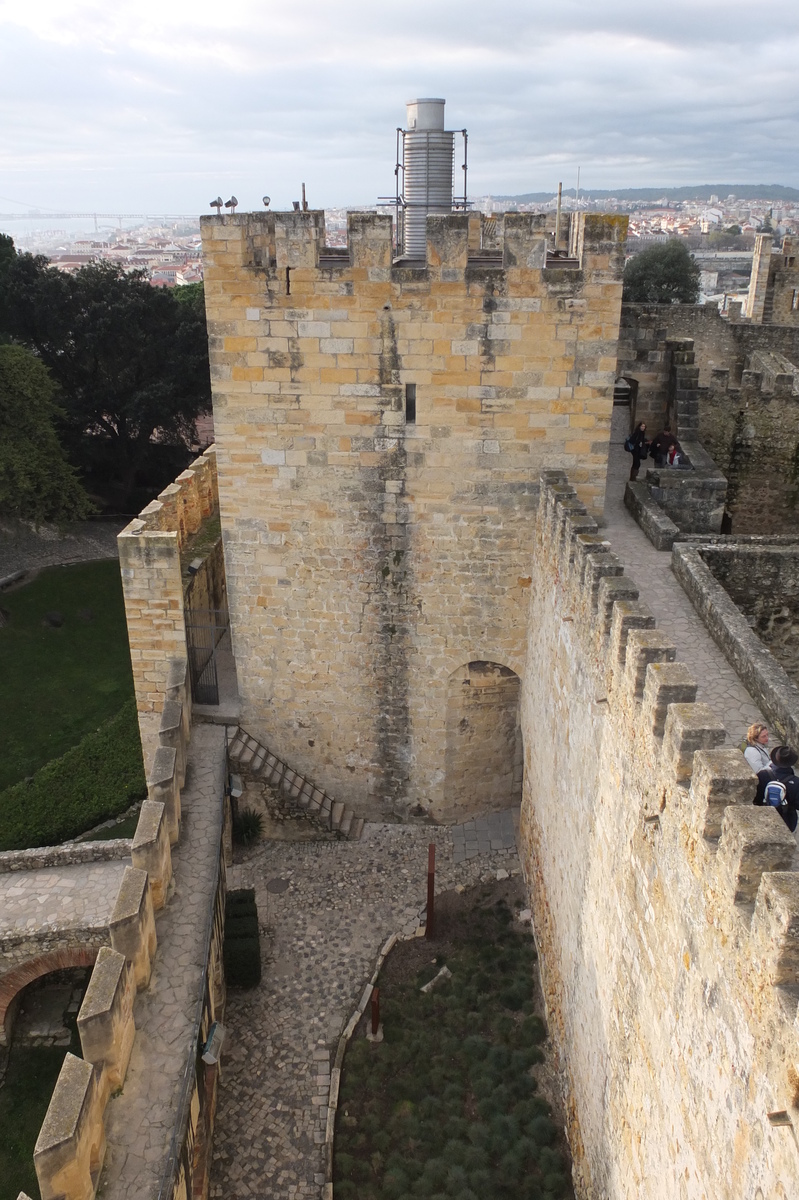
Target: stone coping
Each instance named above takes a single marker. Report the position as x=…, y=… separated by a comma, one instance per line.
x=104, y=984
x=67, y=855
x=66, y=1107
x=658, y=527
x=758, y=670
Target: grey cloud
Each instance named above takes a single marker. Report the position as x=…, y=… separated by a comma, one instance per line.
x=698, y=92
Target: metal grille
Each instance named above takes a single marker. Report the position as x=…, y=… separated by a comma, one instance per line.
x=205, y=628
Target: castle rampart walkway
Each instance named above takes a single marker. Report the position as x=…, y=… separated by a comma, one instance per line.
x=719, y=686
x=139, y=1122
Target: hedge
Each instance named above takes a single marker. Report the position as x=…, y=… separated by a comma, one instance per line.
x=97, y=779
x=242, y=950
x=242, y=957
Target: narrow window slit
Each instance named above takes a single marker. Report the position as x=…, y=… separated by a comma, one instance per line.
x=410, y=403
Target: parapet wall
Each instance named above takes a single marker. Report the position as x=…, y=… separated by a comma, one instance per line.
x=149, y=558
x=666, y=910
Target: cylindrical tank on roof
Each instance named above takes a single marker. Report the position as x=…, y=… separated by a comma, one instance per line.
x=427, y=161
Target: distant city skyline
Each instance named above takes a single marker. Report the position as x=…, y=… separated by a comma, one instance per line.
x=158, y=107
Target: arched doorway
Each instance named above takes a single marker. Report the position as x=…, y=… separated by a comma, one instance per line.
x=484, y=753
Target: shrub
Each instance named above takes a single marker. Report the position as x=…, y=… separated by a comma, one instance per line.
x=240, y=900
x=242, y=959
x=241, y=925
x=97, y=779
x=248, y=826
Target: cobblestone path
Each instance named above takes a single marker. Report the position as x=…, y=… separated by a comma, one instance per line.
x=328, y=906
x=719, y=686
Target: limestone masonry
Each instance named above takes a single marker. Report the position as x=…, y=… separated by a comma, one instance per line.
x=380, y=429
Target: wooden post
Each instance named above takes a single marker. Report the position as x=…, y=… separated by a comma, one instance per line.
x=431, y=888
x=375, y=1010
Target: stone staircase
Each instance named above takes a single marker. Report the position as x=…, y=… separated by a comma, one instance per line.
x=250, y=756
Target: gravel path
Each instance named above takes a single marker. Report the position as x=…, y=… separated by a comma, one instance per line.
x=23, y=549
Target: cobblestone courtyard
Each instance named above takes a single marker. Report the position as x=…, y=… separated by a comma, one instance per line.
x=328, y=906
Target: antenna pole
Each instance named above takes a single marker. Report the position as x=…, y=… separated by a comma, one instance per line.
x=304, y=201
x=557, y=215
x=577, y=197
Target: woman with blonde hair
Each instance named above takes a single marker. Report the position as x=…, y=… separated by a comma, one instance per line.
x=756, y=753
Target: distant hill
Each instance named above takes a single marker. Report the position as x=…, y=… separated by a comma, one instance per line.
x=741, y=191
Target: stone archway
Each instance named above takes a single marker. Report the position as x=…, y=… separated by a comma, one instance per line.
x=484, y=752
x=14, y=982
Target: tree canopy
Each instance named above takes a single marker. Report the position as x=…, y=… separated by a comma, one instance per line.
x=130, y=361
x=36, y=481
x=664, y=274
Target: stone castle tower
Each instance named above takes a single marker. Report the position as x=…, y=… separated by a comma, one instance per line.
x=381, y=427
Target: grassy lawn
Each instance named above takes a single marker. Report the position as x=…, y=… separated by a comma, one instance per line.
x=447, y=1105
x=57, y=685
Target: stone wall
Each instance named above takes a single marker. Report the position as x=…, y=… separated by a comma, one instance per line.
x=665, y=909
x=370, y=551
x=719, y=342
x=740, y=587
x=752, y=433
x=149, y=555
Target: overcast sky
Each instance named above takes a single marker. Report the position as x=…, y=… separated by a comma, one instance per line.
x=158, y=105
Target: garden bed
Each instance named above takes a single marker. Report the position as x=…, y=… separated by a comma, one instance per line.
x=458, y=1099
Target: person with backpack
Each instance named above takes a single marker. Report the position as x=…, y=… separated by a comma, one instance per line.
x=778, y=787
x=637, y=445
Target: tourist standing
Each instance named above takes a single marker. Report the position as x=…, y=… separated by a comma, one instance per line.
x=755, y=752
x=638, y=446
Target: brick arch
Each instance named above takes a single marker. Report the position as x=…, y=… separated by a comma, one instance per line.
x=12, y=983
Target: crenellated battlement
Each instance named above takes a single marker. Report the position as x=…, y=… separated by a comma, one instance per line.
x=683, y=888
x=465, y=243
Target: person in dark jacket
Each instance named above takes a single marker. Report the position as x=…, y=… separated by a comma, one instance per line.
x=640, y=448
x=783, y=761
x=661, y=445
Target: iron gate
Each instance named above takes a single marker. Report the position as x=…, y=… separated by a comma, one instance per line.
x=205, y=628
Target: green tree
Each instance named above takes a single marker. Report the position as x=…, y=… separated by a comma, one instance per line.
x=130, y=361
x=36, y=481
x=665, y=274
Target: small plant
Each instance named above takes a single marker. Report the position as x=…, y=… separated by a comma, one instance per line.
x=248, y=825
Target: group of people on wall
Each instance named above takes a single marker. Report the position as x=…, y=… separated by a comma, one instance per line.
x=777, y=784
x=663, y=447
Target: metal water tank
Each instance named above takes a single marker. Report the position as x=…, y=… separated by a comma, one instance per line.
x=428, y=150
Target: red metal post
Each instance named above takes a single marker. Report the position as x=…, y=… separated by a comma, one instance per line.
x=431, y=888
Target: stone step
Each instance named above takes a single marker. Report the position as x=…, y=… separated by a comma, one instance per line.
x=345, y=824
x=249, y=754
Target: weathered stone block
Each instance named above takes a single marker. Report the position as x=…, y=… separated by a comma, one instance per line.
x=132, y=924
x=688, y=728
x=753, y=841
x=665, y=684
x=644, y=646
x=70, y=1147
x=163, y=788
x=105, y=1020
x=150, y=850
x=720, y=778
